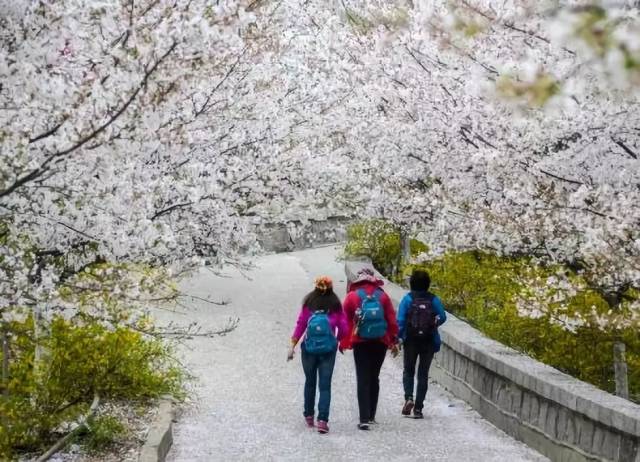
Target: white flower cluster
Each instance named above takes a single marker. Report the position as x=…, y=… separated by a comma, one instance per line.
x=162, y=132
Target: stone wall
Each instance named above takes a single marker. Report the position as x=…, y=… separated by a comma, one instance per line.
x=298, y=234
x=561, y=417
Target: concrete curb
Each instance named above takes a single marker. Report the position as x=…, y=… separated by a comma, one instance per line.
x=160, y=435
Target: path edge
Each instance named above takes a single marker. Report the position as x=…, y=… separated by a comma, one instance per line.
x=160, y=436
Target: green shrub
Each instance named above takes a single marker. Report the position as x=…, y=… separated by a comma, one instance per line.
x=381, y=242
x=103, y=433
x=79, y=361
x=484, y=289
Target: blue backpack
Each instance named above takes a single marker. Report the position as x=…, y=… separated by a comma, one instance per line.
x=319, y=338
x=371, y=323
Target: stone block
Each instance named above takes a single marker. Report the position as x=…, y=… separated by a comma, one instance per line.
x=542, y=414
x=535, y=410
x=551, y=421
x=487, y=386
x=587, y=431
x=617, y=419
x=505, y=396
x=454, y=364
x=610, y=445
x=598, y=441
x=461, y=366
x=515, y=406
x=628, y=449
x=457, y=365
x=560, y=432
x=629, y=421
x=449, y=359
x=525, y=410
x=517, y=376
x=582, y=405
x=571, y=430
x=477, y=377
x=468, y=372
x=605, y=416
x=443, y=358
x=495, y=389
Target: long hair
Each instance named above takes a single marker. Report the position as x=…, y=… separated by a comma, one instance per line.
x=325, y=300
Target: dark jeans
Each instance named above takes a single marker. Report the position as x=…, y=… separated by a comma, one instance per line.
x=368, y=357
x=413, y=351
x=317, y=369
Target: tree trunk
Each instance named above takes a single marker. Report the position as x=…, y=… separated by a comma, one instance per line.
x=37, y=334
x=4, y=338
x=82, y=425
x=620, y=368
x=405, y=242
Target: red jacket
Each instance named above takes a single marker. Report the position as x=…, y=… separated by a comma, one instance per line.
x=352, y=303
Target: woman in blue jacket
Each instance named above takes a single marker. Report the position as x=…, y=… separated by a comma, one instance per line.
x=419, y=315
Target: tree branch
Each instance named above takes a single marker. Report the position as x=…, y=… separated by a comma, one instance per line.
x=62, y=442
x=35, y=173
x=49, y=132
x=625, y=148
x=557, y=177
x=417, y=60
x=170, y=209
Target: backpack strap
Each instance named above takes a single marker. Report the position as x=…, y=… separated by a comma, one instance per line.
x=362, y=294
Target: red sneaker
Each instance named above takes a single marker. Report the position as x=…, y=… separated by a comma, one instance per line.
x=309, y=420
x=408, y=406
x=323, y=427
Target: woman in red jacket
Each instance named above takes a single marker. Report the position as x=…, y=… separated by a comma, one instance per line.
x=372, y=330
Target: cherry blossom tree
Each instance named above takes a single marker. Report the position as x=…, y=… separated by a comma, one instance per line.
x=145, y=132
x=168, y=128
x=521, y=139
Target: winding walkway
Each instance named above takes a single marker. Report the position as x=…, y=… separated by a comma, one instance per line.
x=247, y=401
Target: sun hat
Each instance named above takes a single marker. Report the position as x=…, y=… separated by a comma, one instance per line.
x=366, y=275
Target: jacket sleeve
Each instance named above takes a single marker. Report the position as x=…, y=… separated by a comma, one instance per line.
x=390, y=315
x=301, y=325
x=342, y=325
x=437, y=304
x=349, y=310
x=402, y=316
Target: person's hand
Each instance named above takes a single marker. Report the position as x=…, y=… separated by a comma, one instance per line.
x=290, y=353
x=395, y=350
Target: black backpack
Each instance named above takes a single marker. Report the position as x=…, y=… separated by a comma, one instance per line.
x=421, y=317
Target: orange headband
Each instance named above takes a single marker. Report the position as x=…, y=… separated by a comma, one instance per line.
x=323, y=283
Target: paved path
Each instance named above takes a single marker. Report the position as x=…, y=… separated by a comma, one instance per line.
x=248, y=399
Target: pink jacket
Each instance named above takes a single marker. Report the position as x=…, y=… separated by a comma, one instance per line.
x=336, y=319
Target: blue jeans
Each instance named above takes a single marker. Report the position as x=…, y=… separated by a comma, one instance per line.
x=318, y=369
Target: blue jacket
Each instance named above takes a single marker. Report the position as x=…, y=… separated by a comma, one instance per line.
x=403, y=309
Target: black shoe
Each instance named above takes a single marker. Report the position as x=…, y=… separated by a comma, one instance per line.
x=417, y=414
x=372, y=422
x=408, y=405
x=363, y=426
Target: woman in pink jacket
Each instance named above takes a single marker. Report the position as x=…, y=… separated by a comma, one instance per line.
x=323, y=325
